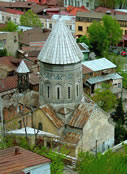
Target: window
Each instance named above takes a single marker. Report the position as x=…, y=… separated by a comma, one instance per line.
x=2, y=18
x=70, y=27
x=58, y=93
x=65, y=2
x=125, y=31
x=15, y=39
x=87, y=4
x=78, y=4
x=48, y=91
x=80, y=28
x=40, y=126
x=50, y=26
x=119, y=85
x=77, y=88
x=15, y=20
x=69, y=92
x=20, y=124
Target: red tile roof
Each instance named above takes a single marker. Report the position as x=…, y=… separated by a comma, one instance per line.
x=10, y=162
x=10, y=62
x=50, y=113
x=8, y=83
x=12, y=11
x=73, y=10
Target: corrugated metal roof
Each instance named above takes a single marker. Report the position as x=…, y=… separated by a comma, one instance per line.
x=99, y=64
x=80, y=117
x=31, y=131
x=22, y=68
x=60, y=47
x=50, y=113
x=103, y=78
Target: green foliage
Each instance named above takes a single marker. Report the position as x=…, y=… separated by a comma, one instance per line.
x=3, y=52
x=109, y=163
x=98, y=38
x=30, y=19
x=103, y=34
x=57, y=164
x=83, y=39
x=104, y=97
x=112, y=29
x=113, y=3
x=11, y=27
x=120, y=133
x=119, y=112
x=124, y=75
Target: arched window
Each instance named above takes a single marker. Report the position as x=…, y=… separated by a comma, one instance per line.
x=77, y=90
x=69, y=92
x=48, y=91
x=58, y=92
x=40, y=126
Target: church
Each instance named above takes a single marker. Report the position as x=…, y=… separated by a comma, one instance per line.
x=79, y=121
x=61, y=107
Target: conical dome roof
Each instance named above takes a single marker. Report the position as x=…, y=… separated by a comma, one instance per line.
x=60, y=47
x=22, y=68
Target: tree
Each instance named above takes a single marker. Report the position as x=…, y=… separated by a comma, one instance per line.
x=104, y=97
x=83, y=39
x=119, y=113
x=3, y=52
x=113, y=3
x=103, y=34
x=120, y=133
x=112, y=29
x=30, y=19
x=10, y=26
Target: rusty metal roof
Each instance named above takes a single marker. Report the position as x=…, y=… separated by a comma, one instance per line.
x=50, y=113
x=81, y=115
x=11, y=162
x=72, y=138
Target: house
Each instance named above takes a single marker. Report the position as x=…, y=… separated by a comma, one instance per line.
x=96, y=72
x=84, y=20
x=33, y=35
x=31, y=132
x=18, y=160
x=78, y=3
x=9, y=40
x=7, y=14
x=85, y=50
x=73, y=10
x=23, y=6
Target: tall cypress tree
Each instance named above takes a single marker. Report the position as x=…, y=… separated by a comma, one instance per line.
x=119, y=113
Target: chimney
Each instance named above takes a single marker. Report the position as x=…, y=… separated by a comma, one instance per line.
x=17, y=152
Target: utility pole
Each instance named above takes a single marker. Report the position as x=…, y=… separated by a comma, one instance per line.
x=2, y=117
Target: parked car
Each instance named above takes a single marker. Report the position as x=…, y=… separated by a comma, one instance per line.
x=123, y=53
